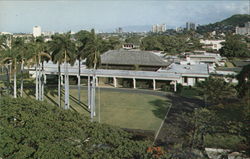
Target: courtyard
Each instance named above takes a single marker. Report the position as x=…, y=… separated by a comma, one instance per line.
x=125, y=108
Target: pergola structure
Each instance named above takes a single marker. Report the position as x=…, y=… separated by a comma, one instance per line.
x=126, y=74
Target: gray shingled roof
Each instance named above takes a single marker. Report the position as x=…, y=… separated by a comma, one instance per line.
x=241, y=63
x=123, y=57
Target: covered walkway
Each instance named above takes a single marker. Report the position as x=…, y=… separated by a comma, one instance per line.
x=51, y=69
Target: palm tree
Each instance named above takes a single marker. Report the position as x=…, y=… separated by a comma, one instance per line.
x=43, y=79
x=42, y=55
x=93, y=60
x=62, y=50
x=3, y=47
x=82, y=38
x=10, y=58
x=38, y=52
x=22, y=56
x=3, y=42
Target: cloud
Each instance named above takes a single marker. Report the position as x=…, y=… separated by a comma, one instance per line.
x=20, y=16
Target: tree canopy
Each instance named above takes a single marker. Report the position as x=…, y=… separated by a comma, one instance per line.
x=216, y=90
x=170, y=44
x=244, y=81
x=33, y=129
x=234, y=47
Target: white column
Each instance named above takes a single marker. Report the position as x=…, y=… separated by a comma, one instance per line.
x=175, y=88
x=39, y=83
x=115, y=82
x=79, y=87
x=15, y=92
x=96, y=81
x=154, y=85
x=43, y=83
x=89, y=92
x=78, y=79
x=93, y=95
x=45, y=78
x=134, y=82
x=36, y=83
x=62, y=82
x=91, y=106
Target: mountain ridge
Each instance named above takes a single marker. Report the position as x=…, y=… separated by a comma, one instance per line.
x=226, y=25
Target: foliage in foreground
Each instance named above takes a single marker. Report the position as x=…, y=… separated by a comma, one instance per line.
x=32, y=129
x=217, y=90
x=234, y=47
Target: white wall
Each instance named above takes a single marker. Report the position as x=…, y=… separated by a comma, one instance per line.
x=216, y=44
x=190, y=81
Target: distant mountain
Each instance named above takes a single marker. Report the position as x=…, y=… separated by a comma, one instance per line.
x=226, y=25
x=235, y=20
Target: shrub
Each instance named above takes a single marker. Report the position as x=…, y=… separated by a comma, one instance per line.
x=33, y=129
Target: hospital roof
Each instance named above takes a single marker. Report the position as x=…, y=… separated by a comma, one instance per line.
x=186, y=69
x=124, y=57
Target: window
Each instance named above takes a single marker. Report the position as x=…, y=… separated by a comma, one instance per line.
x=185, y=79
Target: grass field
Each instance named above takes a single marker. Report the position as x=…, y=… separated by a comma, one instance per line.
x=229, y=64
x=191, y=93
x=118, y=108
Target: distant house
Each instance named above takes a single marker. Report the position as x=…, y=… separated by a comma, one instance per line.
x=243, y=30
x=212, y=44
x=227, y=73
x=227, y=70
x=132, y=60
x=190, y=74
x=22, y=35
x=211, y=59
x=128, y=46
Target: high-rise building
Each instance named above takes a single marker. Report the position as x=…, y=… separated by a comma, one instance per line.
x=190, y=26
x=119, y=30
x=154, y=28
x=243, y=30
x=159, y=28
x=37, y=31
x=247, y=24
x=178, y=29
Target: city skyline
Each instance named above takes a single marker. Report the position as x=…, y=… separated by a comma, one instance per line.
x=61, y=16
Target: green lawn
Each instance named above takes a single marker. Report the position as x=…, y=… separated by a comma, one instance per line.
x=190, y=93
x=123, y=109
x=229, y=64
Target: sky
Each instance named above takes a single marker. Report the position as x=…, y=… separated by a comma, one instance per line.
x=106, y=15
